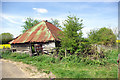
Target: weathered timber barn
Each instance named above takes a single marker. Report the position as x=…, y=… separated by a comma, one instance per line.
x=43, y=36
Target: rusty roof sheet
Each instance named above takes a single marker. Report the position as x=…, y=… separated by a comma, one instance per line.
x=41, y=32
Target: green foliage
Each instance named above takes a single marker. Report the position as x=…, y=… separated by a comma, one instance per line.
x=22, y=56
x=71, y=34
x=47, y=71
x=84, y=48
x=29, y=23
x=5, y=54
x=72, y=66
x=82, y=56
x=5, y=38
x=14, y=55
x=33, y=49
x=103, y=36
x=112, y=56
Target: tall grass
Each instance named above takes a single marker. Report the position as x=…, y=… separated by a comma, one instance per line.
x=72, y=66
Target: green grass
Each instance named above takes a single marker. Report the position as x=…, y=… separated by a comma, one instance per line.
x=69, y=68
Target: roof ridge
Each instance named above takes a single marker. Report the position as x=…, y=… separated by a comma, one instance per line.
x=54, y=28
x=49, y=29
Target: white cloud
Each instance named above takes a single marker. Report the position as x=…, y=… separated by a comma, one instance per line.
x=11, y=19
x=40, y=10
x=11, y=24
x=86, y=30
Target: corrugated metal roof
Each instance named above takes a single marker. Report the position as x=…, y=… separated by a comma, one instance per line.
x=41, y=32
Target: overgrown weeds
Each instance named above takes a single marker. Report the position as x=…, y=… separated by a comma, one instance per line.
x=72, y=66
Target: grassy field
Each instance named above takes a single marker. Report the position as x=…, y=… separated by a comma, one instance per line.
x=71, y=68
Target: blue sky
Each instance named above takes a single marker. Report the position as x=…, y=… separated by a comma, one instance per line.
x=94, y=14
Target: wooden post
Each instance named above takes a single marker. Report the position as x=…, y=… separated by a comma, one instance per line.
x=119, y=67
x=65, y=52
x=30, y=49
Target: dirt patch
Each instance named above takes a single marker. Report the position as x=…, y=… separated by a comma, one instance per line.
x=30, y=71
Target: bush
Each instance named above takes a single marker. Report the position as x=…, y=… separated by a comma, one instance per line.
x=14, y=54
x=72, y=66
x=111, y=56
x=47, y=71
x=19, y=55
x=5, y=54
x=103, y=36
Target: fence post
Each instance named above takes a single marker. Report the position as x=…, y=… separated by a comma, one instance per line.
x=118, y=66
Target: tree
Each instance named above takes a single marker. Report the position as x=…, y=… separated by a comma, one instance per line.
x=29, y=23
x=103, y=36
x=71, y=34
x=5, y=38
x=56, y=23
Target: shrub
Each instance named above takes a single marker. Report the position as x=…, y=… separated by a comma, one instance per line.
x=104, y=36
x=5, y=54
x=111, y=56
x=47, y=71
x=14, y=54
x=19, y=55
